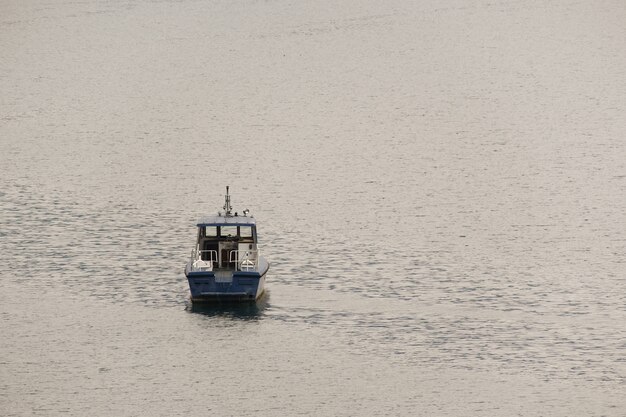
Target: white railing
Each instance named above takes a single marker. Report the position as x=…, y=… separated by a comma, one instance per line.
x=241, y=260
x=206, y=264
x=246, y=260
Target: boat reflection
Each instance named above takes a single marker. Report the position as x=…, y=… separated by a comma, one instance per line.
x=238, y=310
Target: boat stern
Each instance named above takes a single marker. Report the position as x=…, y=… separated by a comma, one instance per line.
x=225, y=286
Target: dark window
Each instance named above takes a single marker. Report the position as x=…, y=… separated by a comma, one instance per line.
x=228, y=231
x=245, y=231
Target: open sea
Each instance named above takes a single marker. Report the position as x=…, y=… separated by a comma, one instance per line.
x=440, y=187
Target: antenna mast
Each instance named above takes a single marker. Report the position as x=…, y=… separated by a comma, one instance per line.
x=227, y=207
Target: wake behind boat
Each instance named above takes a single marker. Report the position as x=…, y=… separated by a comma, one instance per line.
x=226, y=264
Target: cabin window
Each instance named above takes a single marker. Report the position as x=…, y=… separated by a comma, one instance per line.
x=210, y=231
x=245, y=231
x=228, y=231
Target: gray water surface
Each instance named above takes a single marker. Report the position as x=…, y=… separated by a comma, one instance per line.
x=439, y=186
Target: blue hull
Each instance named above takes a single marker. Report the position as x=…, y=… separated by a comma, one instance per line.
x=243, y=286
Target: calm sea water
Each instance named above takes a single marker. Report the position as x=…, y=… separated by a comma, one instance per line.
x=440, y=187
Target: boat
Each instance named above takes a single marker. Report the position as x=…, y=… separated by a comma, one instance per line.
x=226, y=263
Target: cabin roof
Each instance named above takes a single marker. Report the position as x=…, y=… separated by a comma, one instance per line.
x=230, y=221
